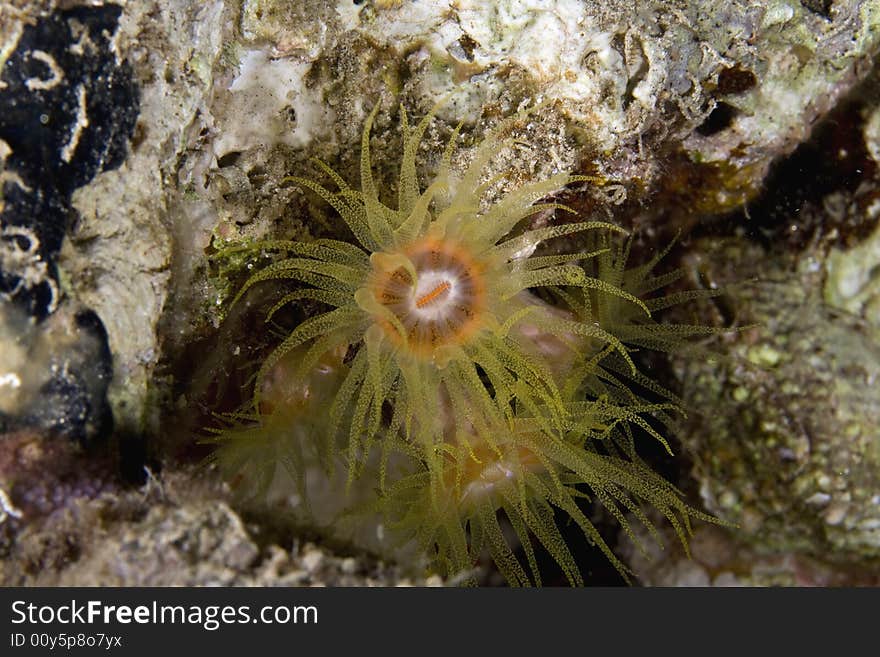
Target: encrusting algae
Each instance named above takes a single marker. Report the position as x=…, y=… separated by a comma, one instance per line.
x=486, y=407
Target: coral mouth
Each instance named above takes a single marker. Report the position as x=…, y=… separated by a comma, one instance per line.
x=436, y=293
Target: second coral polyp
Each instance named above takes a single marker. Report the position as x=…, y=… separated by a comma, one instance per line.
x=436, y=291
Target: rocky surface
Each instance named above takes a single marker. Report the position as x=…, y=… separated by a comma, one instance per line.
x=173, y=533
x=786, y=430
x=718, y=558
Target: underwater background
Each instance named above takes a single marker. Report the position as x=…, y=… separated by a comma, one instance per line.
x=154, y=155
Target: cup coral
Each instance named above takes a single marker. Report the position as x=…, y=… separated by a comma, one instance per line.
x=496, y=406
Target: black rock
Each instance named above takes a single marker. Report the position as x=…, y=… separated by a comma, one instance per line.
x=68, y=107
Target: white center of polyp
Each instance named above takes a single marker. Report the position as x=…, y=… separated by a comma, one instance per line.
x=492, y=475
x=434, y=294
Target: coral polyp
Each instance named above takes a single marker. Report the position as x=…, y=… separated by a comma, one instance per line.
x=457, y=503
x=255, y=445
x=430, y=299
x=474, y=401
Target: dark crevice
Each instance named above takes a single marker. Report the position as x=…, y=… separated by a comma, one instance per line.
x=820, y=7
x=735, y=80
x=719, y=119
x=792, y=209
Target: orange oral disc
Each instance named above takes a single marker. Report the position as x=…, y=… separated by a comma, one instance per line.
x=443, y=306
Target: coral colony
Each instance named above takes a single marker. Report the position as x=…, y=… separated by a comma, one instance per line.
x=484, y=412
